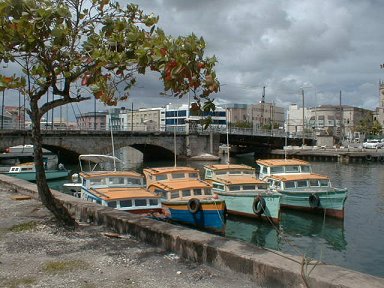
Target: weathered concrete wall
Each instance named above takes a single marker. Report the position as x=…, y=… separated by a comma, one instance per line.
x=266, y=267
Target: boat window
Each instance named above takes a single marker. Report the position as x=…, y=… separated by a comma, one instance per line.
x=186, y=193
x=218, y=186
x=134, y=181
x=116, y=180
x=178, y=176
x=277, y=169
x=234, y=188
x=234, y=172
x=125, y=203
x=193, y=175
x=140, y=202
x=161, y=177
x=262, y=186
x=249, y=187
x=96, y=181
x=314, y=183
x=248, y=172
x=26, y=169
x=290, y=184
x=197, y=192
x=175, y=195
x=292, y=169
x=98, y=201
x=153, y=202
x=220, y=173
x=207, y=192
x=323, y=183
x=305, y=168
x=208, y=173
x=263, y=170
x=112, y=204
x=302, y=183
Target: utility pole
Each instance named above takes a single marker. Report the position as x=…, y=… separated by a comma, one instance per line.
x=262, y=102
x=302, y=95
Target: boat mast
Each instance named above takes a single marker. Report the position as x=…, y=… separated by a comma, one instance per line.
x=227, y=137
x=113, y=147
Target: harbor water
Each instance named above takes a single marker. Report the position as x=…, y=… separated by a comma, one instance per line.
x=356, y=243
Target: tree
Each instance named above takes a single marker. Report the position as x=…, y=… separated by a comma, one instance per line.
x=93, y=48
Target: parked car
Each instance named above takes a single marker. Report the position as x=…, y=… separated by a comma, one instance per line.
x=373, y=144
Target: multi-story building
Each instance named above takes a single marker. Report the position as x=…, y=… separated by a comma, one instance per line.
x=92, y=121
x=266, y=114
x=143, y=119
x=378, y=114
x=297, y=120
x=334, y=120
x=13, y=118
x=180, y=117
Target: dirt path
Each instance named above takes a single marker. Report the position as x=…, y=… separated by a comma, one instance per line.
x=35, y=252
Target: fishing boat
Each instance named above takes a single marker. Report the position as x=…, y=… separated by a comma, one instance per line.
x=122, y=190
x=302, y=189
x=243, y=193
x=27, y=171
x=15, y=155
x=186, y=198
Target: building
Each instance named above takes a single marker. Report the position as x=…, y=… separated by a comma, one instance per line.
x=14, y=117
x=181, y=118
x=92, y=121
x=297, y=120
x=378, y=114
x=266, y=116
x=143, y=119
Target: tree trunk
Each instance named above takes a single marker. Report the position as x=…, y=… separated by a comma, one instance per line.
x=46, y=197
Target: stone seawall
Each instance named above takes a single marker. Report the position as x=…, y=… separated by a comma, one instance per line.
x=267, y=268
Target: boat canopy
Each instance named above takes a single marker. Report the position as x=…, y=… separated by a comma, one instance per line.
x=97, y=159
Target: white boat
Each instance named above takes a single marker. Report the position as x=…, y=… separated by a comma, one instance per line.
x=16, y=155
x=27, y=171
x=122, y=190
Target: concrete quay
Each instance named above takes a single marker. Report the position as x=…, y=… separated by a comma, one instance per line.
x=266, y=268
x=336, y=154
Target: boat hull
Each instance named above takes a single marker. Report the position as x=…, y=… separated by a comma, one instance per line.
x=330, y=202
x=210, y=216
x=31, y=176
x=242, y=204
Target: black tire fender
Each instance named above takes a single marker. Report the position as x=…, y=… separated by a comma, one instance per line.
x=193, y=205
x=314, y=200
x=259, y=205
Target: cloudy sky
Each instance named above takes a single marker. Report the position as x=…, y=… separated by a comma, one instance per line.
x=325, y=46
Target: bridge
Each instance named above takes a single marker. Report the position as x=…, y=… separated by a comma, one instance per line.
x=68, y=144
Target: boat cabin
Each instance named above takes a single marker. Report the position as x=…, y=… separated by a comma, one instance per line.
x=218, y=170
x=21, y=168
x=181, y=189
x=170, y=174
x=134, y=199
x=298, y=182
x=111, y=179
x=283, y=166
x=238, y=184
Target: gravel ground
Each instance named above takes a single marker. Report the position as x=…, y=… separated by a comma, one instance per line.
x=36, y=252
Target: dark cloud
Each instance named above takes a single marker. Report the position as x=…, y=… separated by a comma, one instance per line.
x=324, y=45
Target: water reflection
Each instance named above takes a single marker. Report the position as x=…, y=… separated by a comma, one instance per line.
x=294, y=227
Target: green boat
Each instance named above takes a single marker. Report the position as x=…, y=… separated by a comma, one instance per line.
x=243, y=193
x=301, y=189
x=27, y=171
